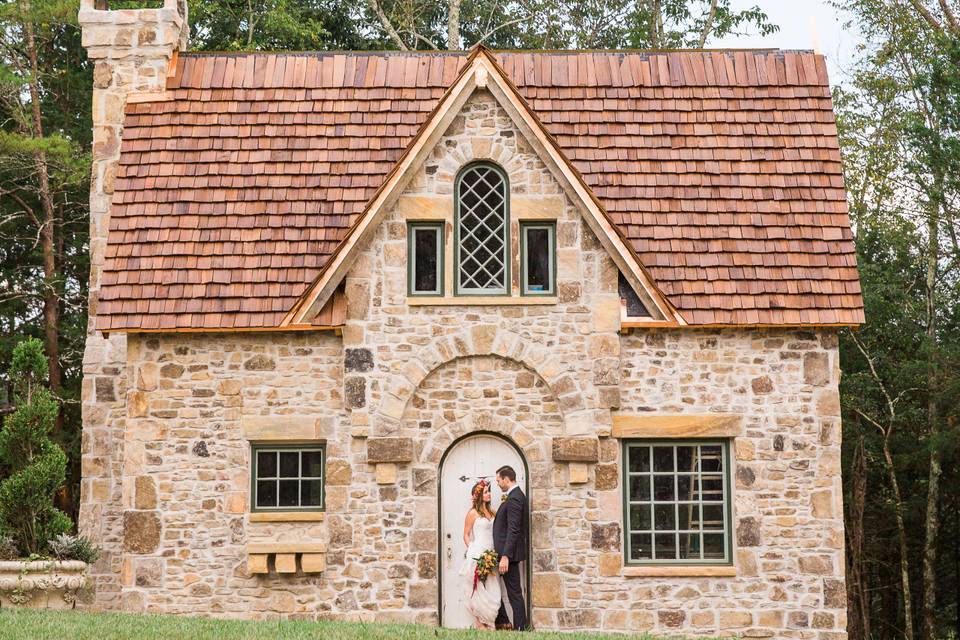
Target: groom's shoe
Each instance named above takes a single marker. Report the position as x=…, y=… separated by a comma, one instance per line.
x=504, y=626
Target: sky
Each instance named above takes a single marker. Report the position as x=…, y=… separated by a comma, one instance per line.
x=804, y=24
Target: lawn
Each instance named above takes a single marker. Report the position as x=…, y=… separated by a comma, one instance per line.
x=17, y=624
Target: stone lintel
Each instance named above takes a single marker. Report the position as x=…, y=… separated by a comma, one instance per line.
x=576, y=449
x=265, y=428
x=678, y=426
x=389, y=450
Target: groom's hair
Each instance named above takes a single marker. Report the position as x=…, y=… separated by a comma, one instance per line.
x=506, y=471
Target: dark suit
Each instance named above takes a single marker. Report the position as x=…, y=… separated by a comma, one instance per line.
x=511, y=539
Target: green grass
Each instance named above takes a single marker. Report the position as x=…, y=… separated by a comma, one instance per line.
x=18, y=624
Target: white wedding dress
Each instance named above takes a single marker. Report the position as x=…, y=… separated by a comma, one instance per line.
x=484, y=603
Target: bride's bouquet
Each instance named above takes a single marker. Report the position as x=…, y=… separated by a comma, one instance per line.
x=486, y=567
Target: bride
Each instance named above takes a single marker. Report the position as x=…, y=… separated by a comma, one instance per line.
x=484, y=602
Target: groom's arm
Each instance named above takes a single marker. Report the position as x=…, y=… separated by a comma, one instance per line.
x=514, y=516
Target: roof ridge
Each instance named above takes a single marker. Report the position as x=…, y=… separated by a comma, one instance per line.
x=465, y=53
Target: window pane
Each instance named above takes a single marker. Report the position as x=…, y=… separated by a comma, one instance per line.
x=686, y=487
x=311, y=493
x=711, y=459
x=289, y=464
x=664, y=517
x=312, y=464
x=289, y=493
x=689, y=546
x=663, y=458
x=713, y=547
x=640, y=517
x=640, y=546
x=640, y=488
x=665, y=546
x=663, y=488
x=425, y=269
x=266, y=493
x=537, y=267
x=712, y=487
x=639, y=459
x=688, y=516
x=713, y=516
x=266, y=464
x=687, y=459
x=481, y=230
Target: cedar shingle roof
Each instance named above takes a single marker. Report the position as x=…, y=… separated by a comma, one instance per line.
x=721, y=168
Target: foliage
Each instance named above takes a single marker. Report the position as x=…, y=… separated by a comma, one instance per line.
x=44, y=262
x=898, y=124
x=8, y=548
x=564, y=24
x=37, y=466
x=70, y=547
x=27, y=624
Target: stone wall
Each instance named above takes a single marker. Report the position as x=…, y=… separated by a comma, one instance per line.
x=132, y=51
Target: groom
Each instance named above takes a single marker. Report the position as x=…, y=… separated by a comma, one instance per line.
x=510, y=541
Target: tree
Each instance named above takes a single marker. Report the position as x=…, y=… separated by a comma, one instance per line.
x=45, y=87
x=907, y=91
x=37, y=465
x=552, y=24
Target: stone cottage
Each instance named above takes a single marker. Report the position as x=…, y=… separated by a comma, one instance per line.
x=329, y=290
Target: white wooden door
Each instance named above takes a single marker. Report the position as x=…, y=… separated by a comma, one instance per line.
x=479, y=455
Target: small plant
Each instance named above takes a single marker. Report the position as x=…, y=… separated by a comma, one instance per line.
x=36, y=464
x=8, y=549
x=70, y=547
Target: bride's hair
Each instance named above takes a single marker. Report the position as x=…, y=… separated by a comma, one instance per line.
x=476, y=498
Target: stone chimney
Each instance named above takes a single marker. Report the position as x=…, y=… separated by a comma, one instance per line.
x=133, y=51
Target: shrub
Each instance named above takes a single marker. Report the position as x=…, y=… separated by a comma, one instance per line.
x=36, y=464
x=8, y=549
x=68, y=547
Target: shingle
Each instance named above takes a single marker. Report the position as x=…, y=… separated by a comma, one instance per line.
x=722, y=169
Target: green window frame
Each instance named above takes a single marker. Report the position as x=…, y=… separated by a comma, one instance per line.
x=273, y=478
x=413, y=229
x=551, y=250
x=677, y=502
x=481, y=231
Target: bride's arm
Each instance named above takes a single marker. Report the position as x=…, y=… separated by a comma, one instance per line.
x=468, y=526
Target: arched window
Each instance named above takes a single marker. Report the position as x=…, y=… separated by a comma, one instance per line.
x=482, y=230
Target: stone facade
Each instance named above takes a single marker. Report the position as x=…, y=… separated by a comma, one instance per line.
x=169, y=419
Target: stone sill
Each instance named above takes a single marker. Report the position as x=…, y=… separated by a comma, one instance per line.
x=680, y=571
x=475, y=301
x=287, y=516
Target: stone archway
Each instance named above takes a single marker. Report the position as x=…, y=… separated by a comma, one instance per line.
x=577, y=402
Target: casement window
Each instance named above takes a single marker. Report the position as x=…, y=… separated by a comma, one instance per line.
x=538, y=258
x=425, y=258
x=288, y=477
x=482, y=243
x=676, y=502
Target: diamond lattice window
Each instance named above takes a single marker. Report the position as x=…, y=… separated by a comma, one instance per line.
x=482, y=241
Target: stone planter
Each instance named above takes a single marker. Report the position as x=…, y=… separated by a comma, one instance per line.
x=41, y=584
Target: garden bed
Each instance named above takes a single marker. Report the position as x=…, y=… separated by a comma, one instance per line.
x=76, y=625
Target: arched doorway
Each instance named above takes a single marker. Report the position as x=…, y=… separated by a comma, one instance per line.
x=473, y=456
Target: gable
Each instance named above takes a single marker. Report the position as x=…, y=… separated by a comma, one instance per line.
x=720, y=169
x=482, y=73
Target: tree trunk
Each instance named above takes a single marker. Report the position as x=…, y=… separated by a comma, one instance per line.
x=859, y=624
x=902, y=536
x=932, y=520
x=453, y=25
x=51, y=298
